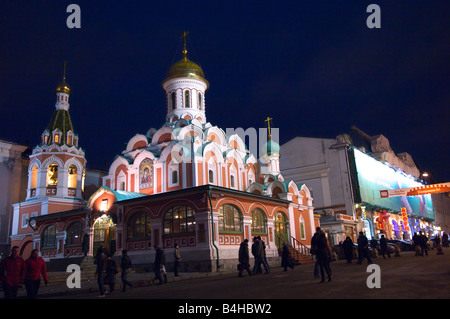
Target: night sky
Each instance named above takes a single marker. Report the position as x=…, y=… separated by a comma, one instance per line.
x=313, y=66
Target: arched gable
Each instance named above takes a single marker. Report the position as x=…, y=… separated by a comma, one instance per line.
x=136, y=142
x=164, y=134
x=234, y=141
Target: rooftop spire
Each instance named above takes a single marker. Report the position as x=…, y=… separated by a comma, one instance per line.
x=185, y=33
x=63, y=87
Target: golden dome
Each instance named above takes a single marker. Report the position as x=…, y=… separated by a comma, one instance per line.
x=63, y=87
x=185, y=68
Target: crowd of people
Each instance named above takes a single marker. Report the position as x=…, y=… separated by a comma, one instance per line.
x=14, y=269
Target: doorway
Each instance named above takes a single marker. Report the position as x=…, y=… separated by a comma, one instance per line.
x=281, y=230
x=105, y=235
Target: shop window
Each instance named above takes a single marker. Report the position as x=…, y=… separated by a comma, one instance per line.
x=179, y=220
x=230, y=219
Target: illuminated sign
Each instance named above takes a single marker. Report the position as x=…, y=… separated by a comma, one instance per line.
x=374, y=177
x=405, y=218
x=414, y=191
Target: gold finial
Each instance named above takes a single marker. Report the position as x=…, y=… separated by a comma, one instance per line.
x=185, y=33
x=268, y=119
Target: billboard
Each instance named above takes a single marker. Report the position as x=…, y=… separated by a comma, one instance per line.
x=375, y=176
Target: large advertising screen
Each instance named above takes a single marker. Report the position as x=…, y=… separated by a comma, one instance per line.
x=374, y=176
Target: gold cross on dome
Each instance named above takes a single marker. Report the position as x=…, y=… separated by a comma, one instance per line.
x=185, y=33
x=268, y=119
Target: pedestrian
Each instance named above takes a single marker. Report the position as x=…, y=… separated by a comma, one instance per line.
x=286, y=258
x=110, y=273
x=100, y=271
x=348, y=249
x=363, y=248
x=160, y=260
x=244, y=258
x=374, y=243
x=416, y=243
x=12, y=271
x=445, y=240
x=177, y=258
x=125, y=265
x=264, y=252
x=384, y=247
x=85, y=244
x=423, y=242
x=319, y=243
x=255, y=246
x=259, y=257
x=34, y=268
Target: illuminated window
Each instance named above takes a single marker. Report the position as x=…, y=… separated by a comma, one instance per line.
x=69, y=139
x=52, y=175
x=104, y=205
x=56, y=138
x=230, y=219
x=72, y=176
x=34, y=174
x=179, y=220
x=259, y=221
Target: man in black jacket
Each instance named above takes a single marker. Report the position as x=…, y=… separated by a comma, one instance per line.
x=363, y=248
x=125, y=265
x=319, y=244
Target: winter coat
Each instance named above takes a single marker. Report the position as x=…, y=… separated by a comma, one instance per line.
x=34, y=268
x=243, y=254
x=12, y=270
x=160, y=257
x=285, y=257
x=125, y=262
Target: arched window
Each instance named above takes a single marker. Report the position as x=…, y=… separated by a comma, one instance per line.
x=73, y=234
x=52, y=175
x=259, y=222
x=138, y=226
x=211, y=176
x=173, y=96
x=187, y=99
x=232, y=182
x=179, y=220
x=56, y=138
x=302, y=228
x=72, y=176
x=199, y=101
x=48, y=238
x=230, y=219
x=34, y=174
x=174, y=177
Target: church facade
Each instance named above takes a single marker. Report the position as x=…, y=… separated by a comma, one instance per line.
x=186, y=183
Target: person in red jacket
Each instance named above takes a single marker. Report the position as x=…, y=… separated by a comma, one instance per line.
x=12, y=271
x=34, y=268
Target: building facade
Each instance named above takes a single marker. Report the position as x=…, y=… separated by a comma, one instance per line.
x=13, y=172
x=346, y=175
x=186, y=183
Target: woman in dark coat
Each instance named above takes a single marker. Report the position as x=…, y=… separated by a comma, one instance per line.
x=348, y=249
x=286, y=258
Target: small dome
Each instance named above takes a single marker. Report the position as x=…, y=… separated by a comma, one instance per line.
x=63, y=87
x=185, y=68
x=271, y=148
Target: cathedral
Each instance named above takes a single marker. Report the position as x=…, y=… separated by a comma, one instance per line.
x=186, y=183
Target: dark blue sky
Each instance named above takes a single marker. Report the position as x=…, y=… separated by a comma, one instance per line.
x=313, y=66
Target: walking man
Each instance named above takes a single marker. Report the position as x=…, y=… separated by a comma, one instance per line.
x=319, y=244
x=12, y=271
x=363, y=248
x=34, y=268
x=244, y=258
x=384, y=247
x=125, y=265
